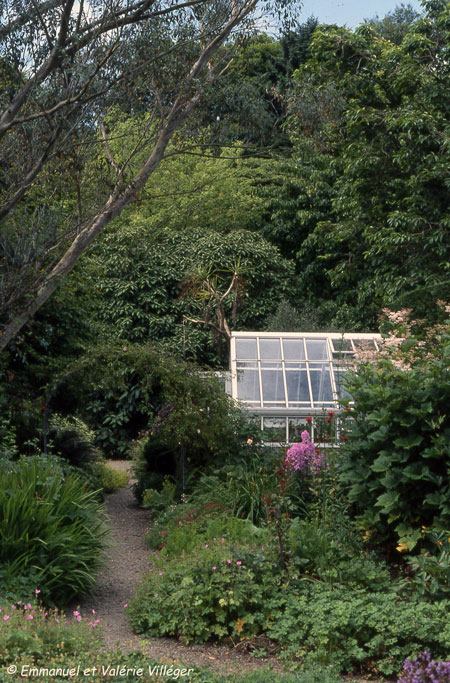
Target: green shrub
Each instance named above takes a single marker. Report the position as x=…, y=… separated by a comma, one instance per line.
x=431, y=570
x=373, y=631
x=216, y=592
x=317, y=554
x=8, y=442
x=72, y=439
x=243, y=487
x=159, y=500
x=397, y=472
x=184, y=535
x=52, y=523
x=110, y=479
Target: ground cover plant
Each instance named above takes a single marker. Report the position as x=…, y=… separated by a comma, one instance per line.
x=47, y=645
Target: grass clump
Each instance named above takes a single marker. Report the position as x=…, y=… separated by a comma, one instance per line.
x=52, y=528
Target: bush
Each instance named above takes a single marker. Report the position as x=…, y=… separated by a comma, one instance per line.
x=195, y=528
x=8, y=442
x=374, y=631
x=397, y=472
x=110, y=479
x=317, y=554
x=243, y=487
x=52, y=522
x=216, y=592
x=72, y=439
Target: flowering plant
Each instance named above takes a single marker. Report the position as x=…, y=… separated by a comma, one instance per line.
x=304, y=457
x=424, y=669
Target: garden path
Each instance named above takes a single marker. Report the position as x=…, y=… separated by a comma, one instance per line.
x=127, y=560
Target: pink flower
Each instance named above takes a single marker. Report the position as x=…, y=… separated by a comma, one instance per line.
x=6, y=618
x=238, y=562
x=303, y=456
x=12, y=607
x=214, y=568
x=206, y=546
x=37, y=591
x=93, y=611
x=223, y=540
x=76, y=613
x=160, y=573
x=30, y=616
x=229, y=561
x=156, y=595
x=125, y=605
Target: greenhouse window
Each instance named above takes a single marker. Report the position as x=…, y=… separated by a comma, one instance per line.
x=287, y=377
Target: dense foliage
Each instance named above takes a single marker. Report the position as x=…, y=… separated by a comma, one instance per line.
x=52, y=530
x=399, y=446
x=309, y=192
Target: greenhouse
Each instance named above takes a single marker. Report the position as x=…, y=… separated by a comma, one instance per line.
x=289, y=379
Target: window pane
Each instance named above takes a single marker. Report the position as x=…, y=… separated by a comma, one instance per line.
x=297, y=385
x=342, y=345
x=339, y=378
x=248, y=385
x=321, y=383
x=273, y=386
x=275, y=429
x=269, y=348
x=293, y=349
x=246, y=348
x=317, y=349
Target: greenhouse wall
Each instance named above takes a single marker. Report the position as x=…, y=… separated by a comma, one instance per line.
x=289, y=381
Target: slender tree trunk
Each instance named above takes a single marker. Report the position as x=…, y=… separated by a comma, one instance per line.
x=118, y=200
x=113, y=207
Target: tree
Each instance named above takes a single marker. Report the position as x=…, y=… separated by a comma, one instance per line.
x=69, y=64
x=396, y=24
x=145, y=279
x=384, y=242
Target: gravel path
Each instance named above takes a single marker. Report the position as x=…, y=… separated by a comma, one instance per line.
x=127, y=560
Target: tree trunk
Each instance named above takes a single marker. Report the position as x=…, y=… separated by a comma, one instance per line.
x=120, y=200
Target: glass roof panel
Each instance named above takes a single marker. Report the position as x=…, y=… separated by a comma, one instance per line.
x=273, y=386
x=299, y=372
x=321, y=383
x=297, y=385
x=294, y=349
x=317, y=349
x=342, y=344
x=339, y=378
x=269, y=348
x=248, y=386
x=246, y=348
